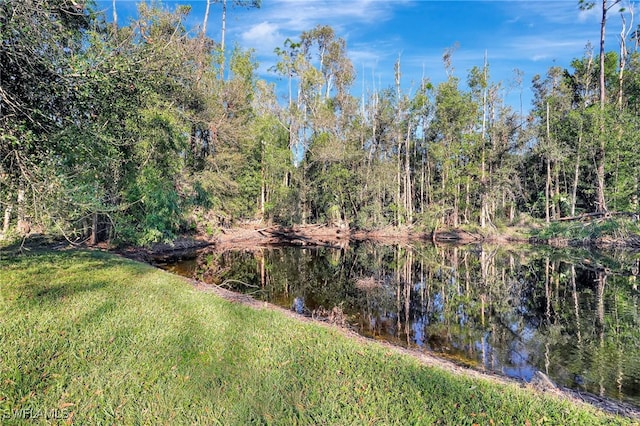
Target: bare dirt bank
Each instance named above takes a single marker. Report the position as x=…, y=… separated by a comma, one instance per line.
x=250, y=237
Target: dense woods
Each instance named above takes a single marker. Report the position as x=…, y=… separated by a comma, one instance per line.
x=142, y=131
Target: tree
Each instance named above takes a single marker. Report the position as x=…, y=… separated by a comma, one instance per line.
x=454, y=117
x=37, y=99
x=601, y=205
x=241, y=3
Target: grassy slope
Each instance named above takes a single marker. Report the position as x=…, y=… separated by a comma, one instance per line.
x=105, y=340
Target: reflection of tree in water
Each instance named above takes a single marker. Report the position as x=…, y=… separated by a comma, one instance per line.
x=571, y=314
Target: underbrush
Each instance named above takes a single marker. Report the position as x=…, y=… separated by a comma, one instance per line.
x=616, y=228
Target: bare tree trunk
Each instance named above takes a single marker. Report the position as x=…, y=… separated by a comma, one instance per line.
x=262, y=270
x=558, y=208
x=422, y=179
x=601, y=205
x=603, y=25
x=398, y=182
x=408, y=186
x=7, y=219
x=623, y=54
x=634, y=197
x=303, y=194
x=23, y=224
x=483, y=188
x=115, y=15
x=263, y=186
x=397, y=283
x=467, y=200
x=430, y=188
x=206, y=18
x=93, y=237
x=576, y=175
x=456, y=206
x=547, y=189
x=222, y=36
x=398, y=142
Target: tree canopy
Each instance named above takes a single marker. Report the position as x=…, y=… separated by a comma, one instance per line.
x=137, y=133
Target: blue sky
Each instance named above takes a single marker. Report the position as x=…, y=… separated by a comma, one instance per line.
x=520, y=34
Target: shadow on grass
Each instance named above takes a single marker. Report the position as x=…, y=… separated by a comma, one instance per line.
x=44, y=276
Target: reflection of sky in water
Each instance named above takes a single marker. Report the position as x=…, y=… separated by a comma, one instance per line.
x=518, y=353
x=417, y=327
x=462, y=315
x=438, y=305
x=528, y=333
x=298, y=305
x=524, y=372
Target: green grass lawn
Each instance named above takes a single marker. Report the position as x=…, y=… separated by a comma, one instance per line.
x=90, y=338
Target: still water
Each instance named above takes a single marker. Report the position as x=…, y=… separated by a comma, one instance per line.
x=573, y=315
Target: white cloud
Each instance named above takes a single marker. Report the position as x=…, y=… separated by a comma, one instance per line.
x=288, y=18
x=282, y=19
x=546, y=47
x=264, y=36
x=301, y=15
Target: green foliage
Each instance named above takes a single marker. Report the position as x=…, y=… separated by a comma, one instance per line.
x=614, y=228
x=130, y=131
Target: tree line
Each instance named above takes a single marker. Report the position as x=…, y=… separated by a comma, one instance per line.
x=137, y=133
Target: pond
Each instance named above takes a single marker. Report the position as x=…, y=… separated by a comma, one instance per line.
x=572, y=314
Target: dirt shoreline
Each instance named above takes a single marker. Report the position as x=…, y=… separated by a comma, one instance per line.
x=248, y=238
x=255, y=237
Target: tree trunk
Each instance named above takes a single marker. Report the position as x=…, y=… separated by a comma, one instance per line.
x=467, y=200
x=303, y=194
x=558, y=208
x=23, y=224
x=408, y=186
x=422, y=182
x=483, y=188
x=206, y=18
x=576, y=175
x=263, y=186
x=398, y=186
x=93, y=237
x=547, y=190
x=7, y=219
x=601, y=205
x=456, y=206
x=398, y=74
x=115, y=15
x=430, y=187
x=623, y=57
x=222, y=36
x=603, y=25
